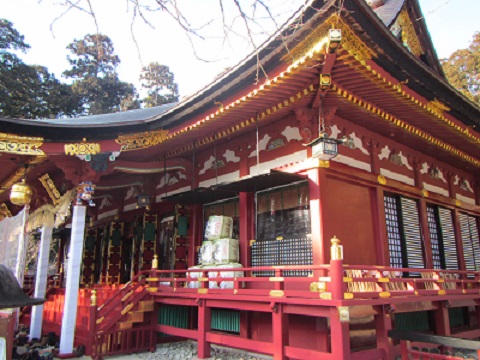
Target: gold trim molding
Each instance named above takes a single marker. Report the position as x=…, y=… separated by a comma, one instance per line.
x=405, y=126
x=437, y=107
x=50, y=187
x=318, y=39
x=141, y=140
x=21, y=145
x=82, y=149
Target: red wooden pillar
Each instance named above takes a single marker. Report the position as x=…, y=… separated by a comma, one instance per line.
x=317, y=181
x=322, y=334
x=204, y=324
x=247, y=221
x=340, y=335
x=383, y=324
x=378, y=211
x=422, y=208
x=404, y=348
x=196, y=236
x=279, y=332
x=442, y=320
x=380, y=227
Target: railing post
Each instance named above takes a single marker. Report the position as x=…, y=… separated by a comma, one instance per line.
x=154, y=282
x=279, y=331
x=404, y=347
x=340, y=332
x=204, y=325
x=336, y=270
x=442, y=319
x=383, y=324
x=92, y=346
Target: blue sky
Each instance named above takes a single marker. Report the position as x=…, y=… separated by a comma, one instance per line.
x=452, y=24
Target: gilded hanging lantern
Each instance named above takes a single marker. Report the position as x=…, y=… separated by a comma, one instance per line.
x=21, y=193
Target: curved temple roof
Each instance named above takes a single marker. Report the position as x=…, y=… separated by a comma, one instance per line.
x=428, y=82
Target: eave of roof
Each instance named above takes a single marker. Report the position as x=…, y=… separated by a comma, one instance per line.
x=391, y=53
x=237, y=79
x=403, y=65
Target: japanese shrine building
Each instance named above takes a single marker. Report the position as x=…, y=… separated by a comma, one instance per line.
x=402, y=193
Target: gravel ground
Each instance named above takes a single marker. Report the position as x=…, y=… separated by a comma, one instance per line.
x=187, y=350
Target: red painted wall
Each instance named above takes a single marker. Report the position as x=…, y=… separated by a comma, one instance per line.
x=349, y=217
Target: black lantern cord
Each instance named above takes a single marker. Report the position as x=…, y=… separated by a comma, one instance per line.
x=25, y=168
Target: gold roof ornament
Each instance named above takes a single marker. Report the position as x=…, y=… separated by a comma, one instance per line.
x=21, y=145
x=141, y=140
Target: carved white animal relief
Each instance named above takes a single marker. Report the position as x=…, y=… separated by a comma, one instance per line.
x=335, y=131
x=465, y=185
x=405, y=161
x=230, y=156
x=207, y=165
x=181, y=175
x=424, y=168
x=456, y=180
x=130, y=193
x=441, y=177
x=384, y=153
x=172, y=179
x=292, y=133
x=358, y=143
x=162, y=182
x=262, y=145
x=105, y=203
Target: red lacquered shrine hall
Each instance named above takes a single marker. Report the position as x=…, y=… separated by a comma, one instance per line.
x=349, y=178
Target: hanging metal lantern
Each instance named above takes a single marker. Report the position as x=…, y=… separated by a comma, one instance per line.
x=324, y=148
x=143, y=200
x=21, y=193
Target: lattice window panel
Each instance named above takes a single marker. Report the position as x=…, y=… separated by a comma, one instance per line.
x=291, y=251
x=394, y=232
x=470, y=240
x=442, y=236
x=448, y=239
x=435, y=237
x=412, y=233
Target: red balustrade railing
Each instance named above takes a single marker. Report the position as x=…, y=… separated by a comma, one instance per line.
x=415, y=345
x=329, y=282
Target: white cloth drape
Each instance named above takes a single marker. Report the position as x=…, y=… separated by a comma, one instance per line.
x=13, y=244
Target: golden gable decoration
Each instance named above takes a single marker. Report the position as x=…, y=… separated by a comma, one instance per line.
x=141, y=140
x=50, y=187
x=318, y=39
x=82, y=149
x=21, y=145
x=437, y=107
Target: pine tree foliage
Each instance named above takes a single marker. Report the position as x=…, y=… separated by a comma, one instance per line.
x=30, y=91
x=160, y=82
x=462, y=70
x=94, y=70
x=10, y=38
